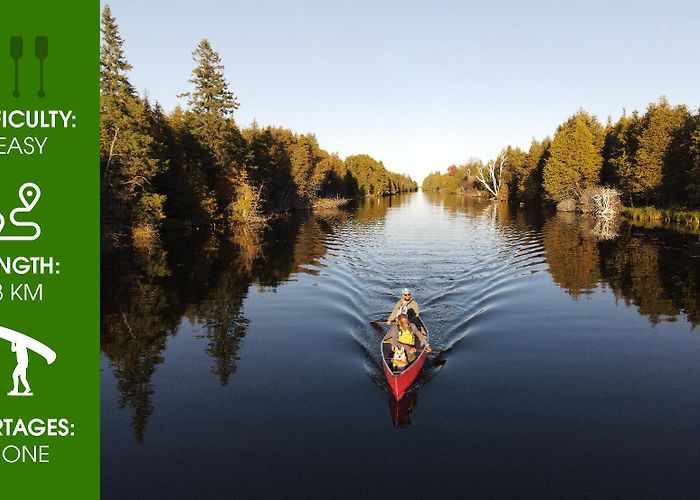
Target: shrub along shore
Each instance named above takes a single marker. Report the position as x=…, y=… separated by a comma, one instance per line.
x=667, y=215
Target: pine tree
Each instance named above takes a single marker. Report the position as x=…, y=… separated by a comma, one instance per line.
x=219, y=147
x=575, y=157
x=113, y=64
x=211, y=105
x=128, y=153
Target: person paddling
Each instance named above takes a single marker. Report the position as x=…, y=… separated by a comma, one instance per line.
x=405, y=305
x=406, y=335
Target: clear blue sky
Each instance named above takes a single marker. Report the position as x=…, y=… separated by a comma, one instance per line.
x=417, y=84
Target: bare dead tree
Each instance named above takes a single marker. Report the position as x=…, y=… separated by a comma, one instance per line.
x=490, y=175
x=606, y=203
x=111, y=155
x=606, y=228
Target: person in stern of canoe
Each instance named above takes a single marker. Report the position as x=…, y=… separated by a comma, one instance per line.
x=405, y=305
x=405, y=334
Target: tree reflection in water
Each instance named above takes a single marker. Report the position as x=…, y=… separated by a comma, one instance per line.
x=204, y=279
x=571, y=250
x=198, y=277
x=658, y=271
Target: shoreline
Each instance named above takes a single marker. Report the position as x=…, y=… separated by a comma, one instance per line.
x=675, y=216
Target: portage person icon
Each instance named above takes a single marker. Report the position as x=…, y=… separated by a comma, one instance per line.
x=20, y=345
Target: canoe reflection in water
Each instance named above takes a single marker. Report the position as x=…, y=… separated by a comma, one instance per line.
x=401, y=409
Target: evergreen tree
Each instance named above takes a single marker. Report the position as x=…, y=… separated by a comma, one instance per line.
x=656, y=134
x=113, y=64
x=514, y=171
x=575, y=157
x=190, y=200
x=693, y=179
x=530, y=188
x=304, y=160
x=218, y=146
x=338, y=181
x=270, y=166
x=678, y=159
x=621, y=142
x=372, y=178
x=129, y=159
x=211, y=104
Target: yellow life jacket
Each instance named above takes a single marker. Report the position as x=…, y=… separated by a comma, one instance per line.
x=406, y=336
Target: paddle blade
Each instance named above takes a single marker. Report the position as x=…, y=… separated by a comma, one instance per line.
x=41, y=46
x=16, y=47
x=376, y=327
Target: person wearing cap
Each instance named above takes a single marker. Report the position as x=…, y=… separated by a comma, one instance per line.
x=405, y=305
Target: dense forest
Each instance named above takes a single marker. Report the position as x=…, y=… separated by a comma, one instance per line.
x=650, y=159
x=195, y=167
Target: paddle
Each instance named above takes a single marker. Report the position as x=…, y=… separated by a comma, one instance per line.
x=42, y=52
x=376, y=327
x=379, y=329
x=16, y=54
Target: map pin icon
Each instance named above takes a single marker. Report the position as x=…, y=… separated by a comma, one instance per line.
x=29, y=194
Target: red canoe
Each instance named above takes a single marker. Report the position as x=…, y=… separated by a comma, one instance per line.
x=400, y=380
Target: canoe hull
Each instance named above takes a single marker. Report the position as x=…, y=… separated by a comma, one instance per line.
x=32, y=344
x=402, y=382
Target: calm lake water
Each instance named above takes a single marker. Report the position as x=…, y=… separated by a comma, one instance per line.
x=565, y=365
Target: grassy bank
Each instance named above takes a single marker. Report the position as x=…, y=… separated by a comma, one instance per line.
x=667, y=215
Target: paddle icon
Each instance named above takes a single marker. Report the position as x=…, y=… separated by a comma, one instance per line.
x=41, y=48
x=16, y=54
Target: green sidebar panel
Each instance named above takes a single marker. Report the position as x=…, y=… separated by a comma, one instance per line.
x=49, y=249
